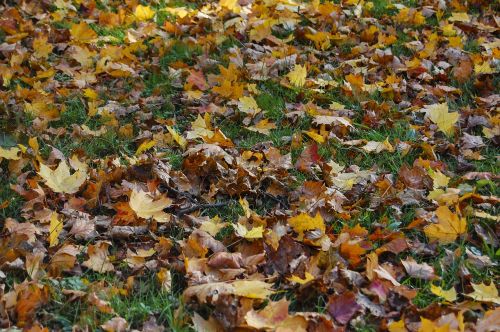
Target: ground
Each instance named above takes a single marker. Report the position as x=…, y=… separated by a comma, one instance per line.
x=258, y=165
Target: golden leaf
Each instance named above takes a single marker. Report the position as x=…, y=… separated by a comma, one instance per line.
x=146, y=145
x=484, y=293
x=55, y=228
x=145, y=207
x=143, y=13
x=298, y=76
x=438, y=113
x=60, y=180
x=449, y=295
x=448, y=228
x=304, y=222
x=177, y=137
x=11, y=154
x=82, y=32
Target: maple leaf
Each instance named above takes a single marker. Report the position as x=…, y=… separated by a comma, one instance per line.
x=449, y=295
x=82, y=32
x=254, y=289
x=146, y=207
x=177, y=137
x=264, y=126
x=143, y=13
x=11, y=153
x=146, y=145
x=200, y=128
x=448, y=227
x=304, y=222
x=55, y=228
x=98, y=257
x=298, y=76
x=485, y=293
x=252, y=234
x=60, y=180
x=438, y=113
x=248, y=105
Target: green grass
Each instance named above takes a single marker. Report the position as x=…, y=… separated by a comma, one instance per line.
x=146, y=299
x=109, y=143
x=13, y=210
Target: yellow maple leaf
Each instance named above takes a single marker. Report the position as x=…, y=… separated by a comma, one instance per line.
x=483, y=68
x=484, y=293
x=42, y=47
x=232, y=5
x=143, y=13
x=438, y=113
x=248, y=105
x=177, y=137
x=449, y=295
x=254, y=289
x=252, y=234
x=82, y=32
x=398, y=326
x=307, y=277
x=55, y=228
x=316, y=137
x=60, y=180
x=298, y=76
x=11, y=154
x=146, y=145
x=439, y=179
x=213, y=226
x=459, y=17
x=304, y=222
x=200, y=128
x=264, y=126
x=448, y=228
x=146, y=207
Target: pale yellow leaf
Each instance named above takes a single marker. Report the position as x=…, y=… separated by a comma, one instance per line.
x=11, y=153
x=55, y=228
x=449, y=295
x=146, y=207
x=143, y=13
x=60, y=180
x=438, y=113
x=484, y=293
x=298, y=76
x=448, y=227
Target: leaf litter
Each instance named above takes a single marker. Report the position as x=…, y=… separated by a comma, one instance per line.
x=273, y=165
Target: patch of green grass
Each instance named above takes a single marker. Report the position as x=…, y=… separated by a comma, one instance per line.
x=74, y=113
x=175, y=159
x=272, y=105
x=277, y=90
x=146, y=299
x=15, y=201
x=118, y=33
x=399, y=48
x=180, y=52
x=158, y=82
x=472, y=46
x=229, y=212
x=382, y=8
x=95, y=147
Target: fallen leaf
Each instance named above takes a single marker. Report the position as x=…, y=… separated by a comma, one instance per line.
x=60, y=180
x=448, y=227
x=485, y=293
x=146, y=207
x=298, y=76
x=438, y=113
